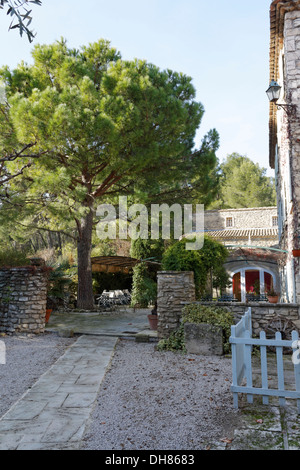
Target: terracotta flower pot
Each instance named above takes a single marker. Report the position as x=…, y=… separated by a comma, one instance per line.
x=273, y=300
x=48, y=313
x=153, y=321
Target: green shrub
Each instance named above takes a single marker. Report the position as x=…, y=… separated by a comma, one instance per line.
x=144, y=289
x=144, y=284
x=175, y=342
x=13, y=258
x=60, y=283
x=197, y=313
x=211, y=256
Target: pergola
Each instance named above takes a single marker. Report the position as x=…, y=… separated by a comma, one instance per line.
x=115, y=264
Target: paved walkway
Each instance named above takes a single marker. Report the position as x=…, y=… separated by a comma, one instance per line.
x=54, y=413
x=125, y=322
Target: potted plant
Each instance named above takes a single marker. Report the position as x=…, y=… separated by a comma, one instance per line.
x=153, y=318
x=48, y=314
x=272, y=296
x=50, y=305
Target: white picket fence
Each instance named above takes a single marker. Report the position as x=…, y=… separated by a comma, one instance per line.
x=241, y=345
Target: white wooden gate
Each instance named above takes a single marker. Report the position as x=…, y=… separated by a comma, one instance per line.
x=241, y=345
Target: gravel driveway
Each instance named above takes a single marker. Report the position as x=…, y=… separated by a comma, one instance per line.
x=152, y=400
x=149, y=400
x=27, y=358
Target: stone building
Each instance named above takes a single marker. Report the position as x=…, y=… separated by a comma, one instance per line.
x=251, y=235
x=284, y=137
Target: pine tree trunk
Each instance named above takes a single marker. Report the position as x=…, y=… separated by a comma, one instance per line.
x=85, y=298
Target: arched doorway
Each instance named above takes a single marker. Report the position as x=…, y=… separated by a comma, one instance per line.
x=251, y=280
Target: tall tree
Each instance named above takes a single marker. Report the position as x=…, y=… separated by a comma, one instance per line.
x=103, y=127
x=244, y=183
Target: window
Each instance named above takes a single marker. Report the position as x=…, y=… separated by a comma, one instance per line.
x=274, y=221
x=229, y=222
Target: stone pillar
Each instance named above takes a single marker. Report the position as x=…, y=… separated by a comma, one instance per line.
x=173, y=287
x=23, y=297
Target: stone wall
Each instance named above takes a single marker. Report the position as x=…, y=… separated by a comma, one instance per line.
x=260, y=217
x=23, y=296
x=177, y=289
x=287, y=137
x=262, y=312
x=203, y=339
x=173, y=287
x=292, y=91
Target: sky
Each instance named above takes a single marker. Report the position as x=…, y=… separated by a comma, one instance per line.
x=222, y=44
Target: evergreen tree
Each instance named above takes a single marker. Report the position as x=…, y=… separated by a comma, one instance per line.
x=101, y=127
x=244, y=184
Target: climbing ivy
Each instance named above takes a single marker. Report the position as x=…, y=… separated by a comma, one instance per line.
x=211, y=256
x=144, y=285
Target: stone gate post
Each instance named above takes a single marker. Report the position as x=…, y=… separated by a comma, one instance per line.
x=173, y=287
x=23, y=297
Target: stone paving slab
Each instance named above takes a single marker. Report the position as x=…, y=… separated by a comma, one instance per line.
x=125, y=322
x=53, y=414
x=267, y=427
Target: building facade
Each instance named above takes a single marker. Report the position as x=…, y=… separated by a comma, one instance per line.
x=251, y=236
x=284, y=138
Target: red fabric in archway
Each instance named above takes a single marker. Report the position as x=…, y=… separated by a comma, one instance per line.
x=252, y=280
x=268, y=281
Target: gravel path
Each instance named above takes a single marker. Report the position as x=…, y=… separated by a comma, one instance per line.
x=152, y=400
x=149, y=400
x=27, y=358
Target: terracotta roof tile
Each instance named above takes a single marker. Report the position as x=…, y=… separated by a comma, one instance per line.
x=231, y=234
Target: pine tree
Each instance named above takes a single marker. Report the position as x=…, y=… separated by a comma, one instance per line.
x=102, y=127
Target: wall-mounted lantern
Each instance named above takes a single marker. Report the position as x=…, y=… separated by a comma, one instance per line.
x=273, y=93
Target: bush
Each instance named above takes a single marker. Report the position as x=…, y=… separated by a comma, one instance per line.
x=60, y=283
x=144, y=284
x=196, y=313
x=144, y=289
x=13, y=258
x=175, y=342
x=212, y=255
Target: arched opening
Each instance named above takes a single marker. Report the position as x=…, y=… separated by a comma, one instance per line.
x=255, y=281
x=236, y=286
x=252, y=279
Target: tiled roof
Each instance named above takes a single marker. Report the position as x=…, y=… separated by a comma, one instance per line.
x=278, y=9
x=231, y=234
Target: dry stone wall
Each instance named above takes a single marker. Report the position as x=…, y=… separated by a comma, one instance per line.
x=177, y=289
x=262, y=313
x=173, y=288
x=23, y=297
